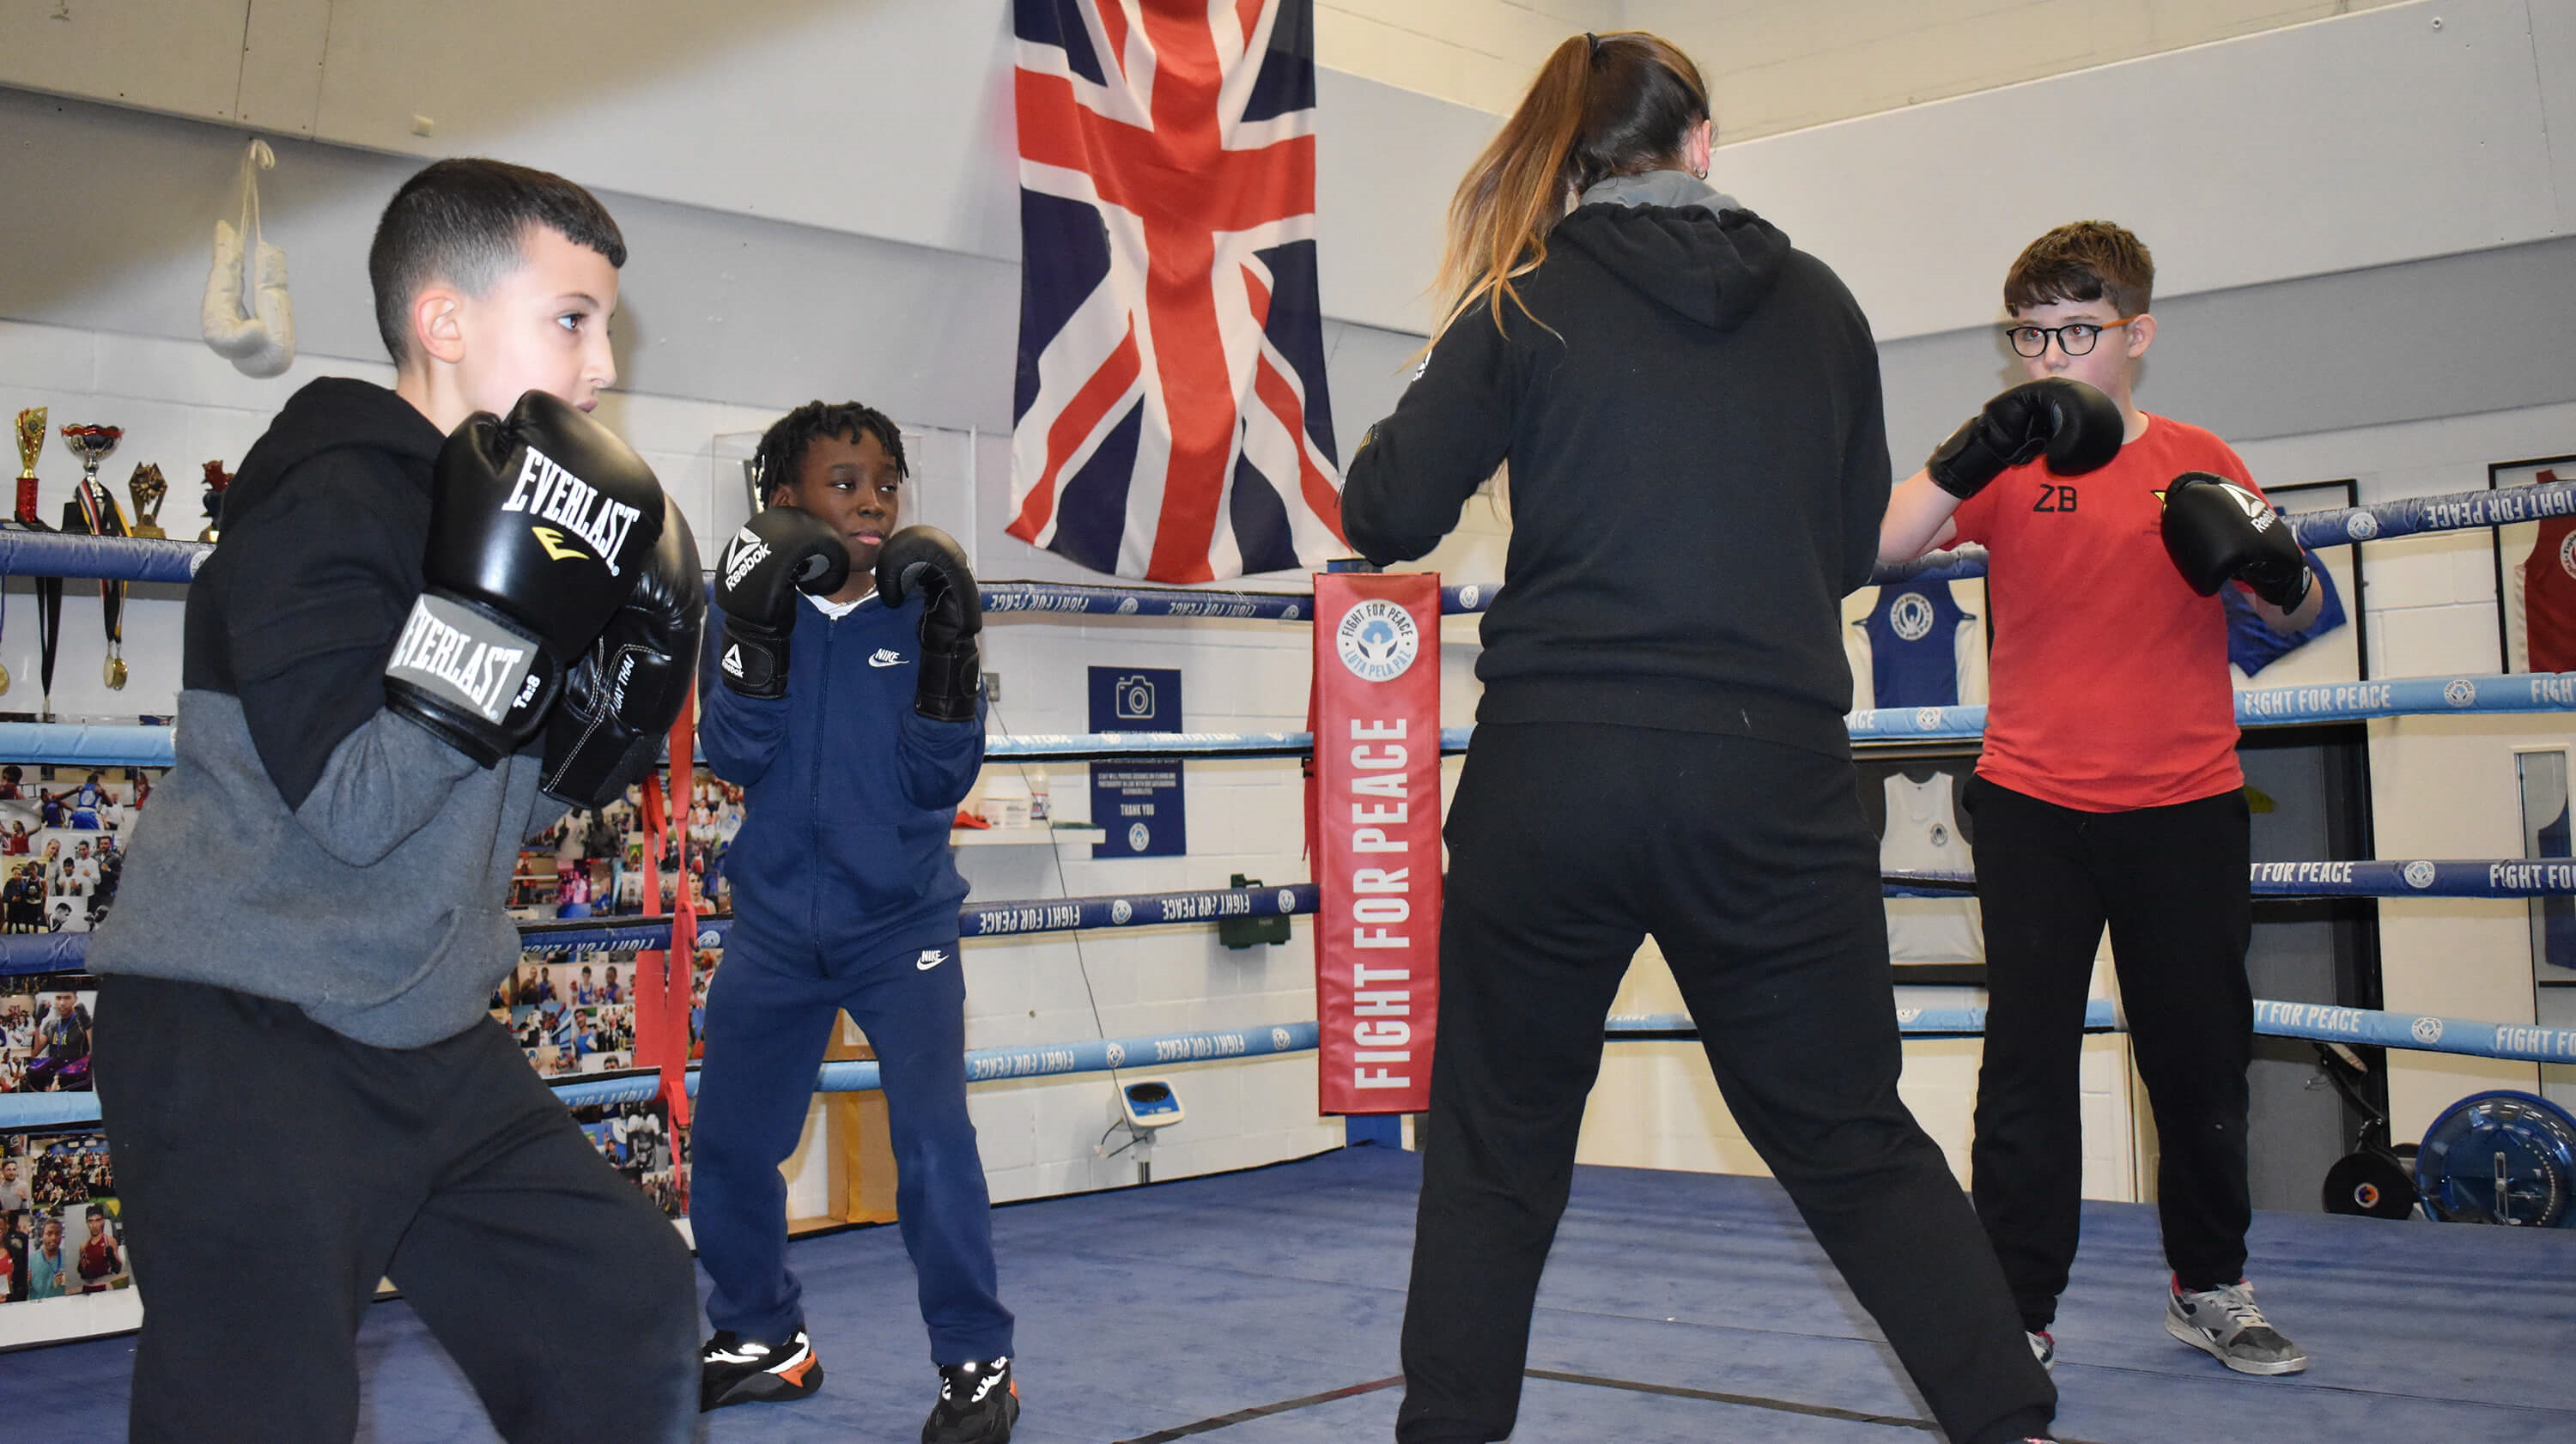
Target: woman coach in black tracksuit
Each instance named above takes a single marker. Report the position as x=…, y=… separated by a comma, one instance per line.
x=1690, y=409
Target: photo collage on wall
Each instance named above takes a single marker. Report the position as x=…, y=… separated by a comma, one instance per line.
x=574, y=1009
x=62, y=834
x=637, y=1139
x=60, y=1231
x=591, y=864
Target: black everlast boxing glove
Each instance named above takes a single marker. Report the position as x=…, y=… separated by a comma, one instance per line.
x=926, y=560
x=537, y=524
x=620, y=699
x=2215, y=529
x=776, y=554
x=2077, y=426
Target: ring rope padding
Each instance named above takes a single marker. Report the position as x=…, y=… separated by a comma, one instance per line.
x=143, y=559
x=2421, y=1033
x=86, y=744
x=2421, y=877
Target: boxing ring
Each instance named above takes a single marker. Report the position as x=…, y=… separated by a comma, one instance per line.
x=1263, y=1305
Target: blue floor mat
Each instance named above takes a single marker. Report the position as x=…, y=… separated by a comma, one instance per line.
x=1677, y=1307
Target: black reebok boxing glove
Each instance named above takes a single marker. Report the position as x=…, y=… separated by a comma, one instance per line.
x=536, y=526
x=778, y=553
x=2078, y=426
x=2215, y=529
x=620, y=699
x=926, y=560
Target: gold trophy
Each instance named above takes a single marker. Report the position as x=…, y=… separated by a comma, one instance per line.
x=148, y=490
x=31, y=443
x=216, y=480
x=94, y=511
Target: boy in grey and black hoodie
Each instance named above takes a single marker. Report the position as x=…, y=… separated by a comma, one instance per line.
x=402, y=638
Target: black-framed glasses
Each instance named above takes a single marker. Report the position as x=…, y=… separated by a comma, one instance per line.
x=2075, y=338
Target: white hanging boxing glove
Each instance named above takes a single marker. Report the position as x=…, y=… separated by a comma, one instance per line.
x=247, y=317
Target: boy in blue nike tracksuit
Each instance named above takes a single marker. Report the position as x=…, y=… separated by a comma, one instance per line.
x=845, y=898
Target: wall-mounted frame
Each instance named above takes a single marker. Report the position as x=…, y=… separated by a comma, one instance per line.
x=2542, y=774
x=2535, y=565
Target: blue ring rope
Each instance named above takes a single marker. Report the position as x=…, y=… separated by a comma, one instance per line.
x=983, y=1065
x=2418, y=1032
x=138, y=559
x=24, y=953
x=64, y=744
x=2421, y=877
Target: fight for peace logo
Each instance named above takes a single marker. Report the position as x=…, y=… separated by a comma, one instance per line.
x=1120, y=912
x=1377, y=640
x=1287, y=902
x=1279, y=1039
x=2418, y=874
x=1928, y=718
x=2567, y=555
x=1911, y=617
x=1468, y=594
x=2460, y=692
x=2427, y=1030
x=2362, y=527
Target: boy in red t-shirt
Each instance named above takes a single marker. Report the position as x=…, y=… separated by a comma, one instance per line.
x=2109, y=791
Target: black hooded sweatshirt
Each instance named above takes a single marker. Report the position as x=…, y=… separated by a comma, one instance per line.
x=309, y=844
x=1698, y=464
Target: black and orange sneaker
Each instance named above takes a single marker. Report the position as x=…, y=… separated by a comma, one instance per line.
x=978, y=1404
x=736, y=1370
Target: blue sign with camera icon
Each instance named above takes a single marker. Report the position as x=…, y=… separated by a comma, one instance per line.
x=1137, y=801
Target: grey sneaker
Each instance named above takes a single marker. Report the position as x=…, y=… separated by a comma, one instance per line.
x=2228, y=1325
x=2043, y=1347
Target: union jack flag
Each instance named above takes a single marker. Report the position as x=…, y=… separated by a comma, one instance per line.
x=1170, y=415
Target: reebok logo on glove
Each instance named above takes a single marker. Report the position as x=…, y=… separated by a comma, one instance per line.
x=747, y=551
x=545, y=489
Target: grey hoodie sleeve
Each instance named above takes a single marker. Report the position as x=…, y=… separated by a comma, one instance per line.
x=324, y=583
x=1413, y=471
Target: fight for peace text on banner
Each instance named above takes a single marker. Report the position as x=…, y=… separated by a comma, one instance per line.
x=1169, y=420
x=1377, y=839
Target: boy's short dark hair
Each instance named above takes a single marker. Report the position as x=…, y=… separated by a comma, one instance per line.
x=464, y=222
x=2086, y=261
x=782, y=446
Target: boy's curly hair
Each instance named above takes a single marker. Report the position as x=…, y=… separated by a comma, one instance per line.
x=2086, y=261
x=782, y=446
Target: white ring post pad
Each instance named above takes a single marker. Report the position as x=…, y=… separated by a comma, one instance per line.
x=464, y=658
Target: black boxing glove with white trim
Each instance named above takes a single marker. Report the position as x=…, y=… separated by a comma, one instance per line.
x=536, y=525
x=778, y=553
x=2215, y=529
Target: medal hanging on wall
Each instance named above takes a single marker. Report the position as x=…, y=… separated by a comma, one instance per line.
x=95, y=512
x=49, y=635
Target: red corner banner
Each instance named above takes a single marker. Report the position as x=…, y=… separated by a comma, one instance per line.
x=1377, y=838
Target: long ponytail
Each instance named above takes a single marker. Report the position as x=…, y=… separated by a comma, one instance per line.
x=1602, y=105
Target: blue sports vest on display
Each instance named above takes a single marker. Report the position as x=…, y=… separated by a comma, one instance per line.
x=1913, y=645
x=2252, y=644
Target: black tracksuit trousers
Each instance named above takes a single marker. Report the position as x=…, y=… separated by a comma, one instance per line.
x=272, y=1171
x=2171, y=884
x=1753, y=866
